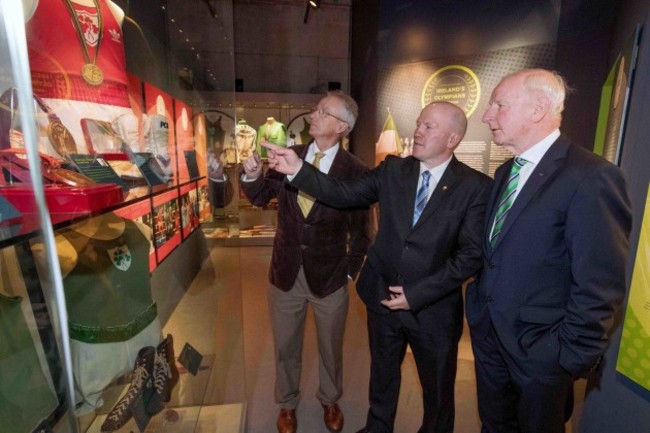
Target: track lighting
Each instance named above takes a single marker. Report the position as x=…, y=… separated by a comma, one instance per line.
x=314, y=3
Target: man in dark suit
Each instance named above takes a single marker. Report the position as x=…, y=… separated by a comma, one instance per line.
x=556, y=242
x=428, y=242
x=316, y=250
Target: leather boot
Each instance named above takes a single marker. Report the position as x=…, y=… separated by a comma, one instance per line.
x=141, y=385
x=165, y=376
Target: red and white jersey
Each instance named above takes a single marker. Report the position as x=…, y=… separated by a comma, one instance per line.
x=56, y=55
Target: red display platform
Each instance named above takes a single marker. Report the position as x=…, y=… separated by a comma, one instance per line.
x=60, y=198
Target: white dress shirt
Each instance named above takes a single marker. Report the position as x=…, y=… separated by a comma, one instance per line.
x=534, y=155
x=326, y=161
x=436, y=175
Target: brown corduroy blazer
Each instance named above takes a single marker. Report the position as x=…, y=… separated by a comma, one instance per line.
x=330, y=243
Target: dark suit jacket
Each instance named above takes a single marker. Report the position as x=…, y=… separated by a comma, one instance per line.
x=330, y=243
x=220, y=192
x=557, y=274
x=430, y=260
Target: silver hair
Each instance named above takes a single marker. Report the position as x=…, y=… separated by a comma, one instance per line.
x=350, y=108
x=550, y=83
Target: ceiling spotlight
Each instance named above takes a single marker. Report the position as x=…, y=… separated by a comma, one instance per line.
x=314, y=3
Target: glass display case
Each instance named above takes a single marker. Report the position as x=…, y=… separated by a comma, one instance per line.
x=107, y=322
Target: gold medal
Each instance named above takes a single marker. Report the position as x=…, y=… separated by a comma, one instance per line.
x=61, y=139
x=69, y=177
x=92, y=74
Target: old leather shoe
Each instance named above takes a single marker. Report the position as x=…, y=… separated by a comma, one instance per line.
x=141, y=387
x=333, y=417
x=287, y=422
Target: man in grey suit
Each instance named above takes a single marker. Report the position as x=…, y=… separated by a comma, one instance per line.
x=431, y=218
x=555, y=247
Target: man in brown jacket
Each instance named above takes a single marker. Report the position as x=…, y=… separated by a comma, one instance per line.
x=317, y=249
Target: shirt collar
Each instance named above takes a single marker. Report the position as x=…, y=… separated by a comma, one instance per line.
x=329, y=153
x=537, y=152
x=437, y=171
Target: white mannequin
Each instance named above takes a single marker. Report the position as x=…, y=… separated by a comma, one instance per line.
x=30, y=7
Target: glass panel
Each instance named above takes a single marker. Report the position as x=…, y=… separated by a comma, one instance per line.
x=151, y=327
x=35, y=384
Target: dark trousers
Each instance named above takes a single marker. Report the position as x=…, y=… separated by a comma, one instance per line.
x=436, y=359
x=515, y=395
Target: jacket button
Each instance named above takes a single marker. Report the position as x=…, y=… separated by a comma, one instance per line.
x=407, y=245
x=303, y=247
x=488, y=299
x=491, y=265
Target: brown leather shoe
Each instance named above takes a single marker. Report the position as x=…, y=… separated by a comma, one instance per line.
x=333, y=417
x=287, y=422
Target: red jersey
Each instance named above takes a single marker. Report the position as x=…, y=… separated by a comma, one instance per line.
x=56, y=55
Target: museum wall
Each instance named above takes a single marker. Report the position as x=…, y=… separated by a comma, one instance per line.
x=276, y=51
x=580, y=39
x=617, y=403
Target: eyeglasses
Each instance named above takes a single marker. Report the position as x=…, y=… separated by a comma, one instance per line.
x=321, y=112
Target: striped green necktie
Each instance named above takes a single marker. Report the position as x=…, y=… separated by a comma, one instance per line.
x=506, y=200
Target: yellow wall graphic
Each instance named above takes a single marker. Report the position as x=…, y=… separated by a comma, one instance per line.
x=634, y=353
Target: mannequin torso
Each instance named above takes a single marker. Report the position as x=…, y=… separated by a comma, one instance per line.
x=30, y=7
x=78, y=63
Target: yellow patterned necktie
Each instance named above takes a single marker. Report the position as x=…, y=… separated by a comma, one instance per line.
x=305, y=201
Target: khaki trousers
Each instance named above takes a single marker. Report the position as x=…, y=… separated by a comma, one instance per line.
x=288, y=313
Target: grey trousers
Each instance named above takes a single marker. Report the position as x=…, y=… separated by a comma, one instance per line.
x=288, y=313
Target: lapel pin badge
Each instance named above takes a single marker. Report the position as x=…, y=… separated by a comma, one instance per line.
x=444, y=187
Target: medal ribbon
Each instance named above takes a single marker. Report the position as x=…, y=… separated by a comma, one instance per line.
x=59, y=135
x=79, y=31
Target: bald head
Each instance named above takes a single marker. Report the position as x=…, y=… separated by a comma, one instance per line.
x=456, y=121
x=439, y=130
